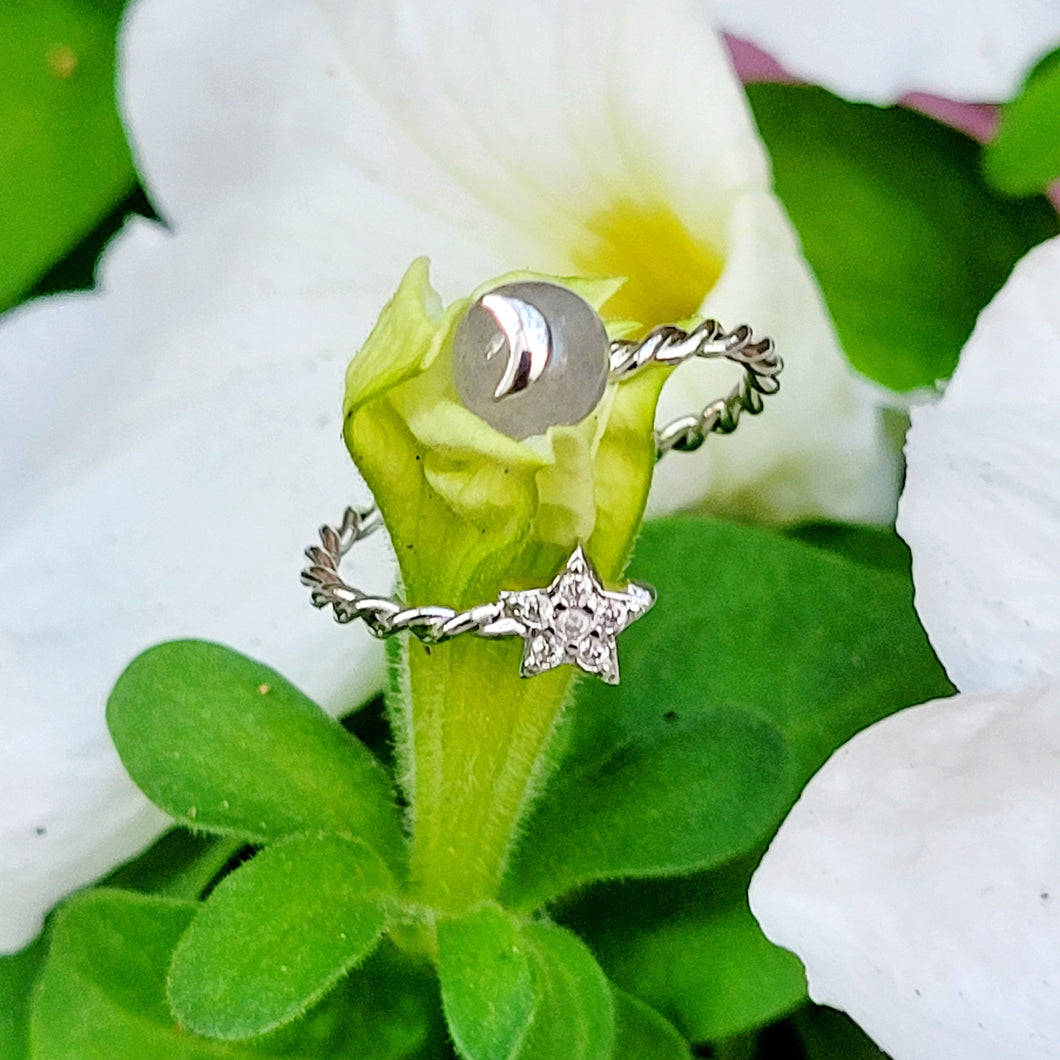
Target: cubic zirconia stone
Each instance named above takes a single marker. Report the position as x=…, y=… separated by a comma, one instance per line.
x=572, y=623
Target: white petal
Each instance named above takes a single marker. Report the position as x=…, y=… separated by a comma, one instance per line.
x=818, y=446
x=515, y=135
x=204, y=97
x=167, y=493
x=918, y=878
x=878, y=52
x=70, y=814
x=512, y=128
x=982, y=498
x=550, y=118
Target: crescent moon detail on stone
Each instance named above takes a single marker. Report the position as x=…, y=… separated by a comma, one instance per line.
x=528, y=338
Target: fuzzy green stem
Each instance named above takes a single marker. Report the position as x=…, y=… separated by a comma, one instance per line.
x=476, y=743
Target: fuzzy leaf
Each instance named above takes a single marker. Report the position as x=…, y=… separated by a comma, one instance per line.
x=691, y=949
x=575, y=1014
x=179, y=865
x=225, y=744
x=694, y=795
x=1024, y=156
x=642, y=1034
x=277, y=934
x=519, y=990
x=64, y=162
x=18, y=975
x=906, y=238
x=103, y=995
x=761, y=657
x=488, y=989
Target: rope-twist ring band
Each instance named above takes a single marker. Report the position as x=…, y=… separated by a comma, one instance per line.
x=671, y=345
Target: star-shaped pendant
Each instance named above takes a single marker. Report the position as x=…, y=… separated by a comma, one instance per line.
x=575, y=620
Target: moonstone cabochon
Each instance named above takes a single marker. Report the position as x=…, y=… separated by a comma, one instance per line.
x=575, y=375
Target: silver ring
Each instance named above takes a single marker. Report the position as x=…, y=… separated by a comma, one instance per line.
x=574, y=620
x=672, y=345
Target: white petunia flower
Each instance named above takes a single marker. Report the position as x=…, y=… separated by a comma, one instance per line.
x=918, y=877
x=977, y=53
x=171, y=440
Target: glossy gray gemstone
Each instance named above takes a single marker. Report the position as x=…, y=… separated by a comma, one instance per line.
x=530, y=355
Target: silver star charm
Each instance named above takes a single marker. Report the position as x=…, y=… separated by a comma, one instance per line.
x=575, y=620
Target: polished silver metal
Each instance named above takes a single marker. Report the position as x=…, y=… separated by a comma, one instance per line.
x=671, y=345
x=524, y=335
x=574, y=620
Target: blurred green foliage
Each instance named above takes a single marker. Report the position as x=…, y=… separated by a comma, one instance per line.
x=1024, y=157
x=64, y=162
x=907, y=239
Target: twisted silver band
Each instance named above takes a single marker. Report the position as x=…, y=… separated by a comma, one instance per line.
x=671, y=345
x=574, y=620
x=382, y=615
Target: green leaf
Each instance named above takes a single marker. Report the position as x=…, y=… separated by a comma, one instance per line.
x=488, y=989
x=522, y=990
x=179, y=865
x=18, y=975
x=277, y=934
x=830, y=1035
x=103, y=995
x=642, y=1034
x=1024, y=156
x=102, y=991
x=225, y=744
x=761, y=657
x=692, y=950
x=869, y=545
x=64, y=162
x=575, y=1014
x=906, y=238
x=693, y=795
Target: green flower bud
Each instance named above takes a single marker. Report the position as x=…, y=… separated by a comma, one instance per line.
x=470, y=512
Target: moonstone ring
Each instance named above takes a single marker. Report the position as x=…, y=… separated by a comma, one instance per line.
x=528, y=356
